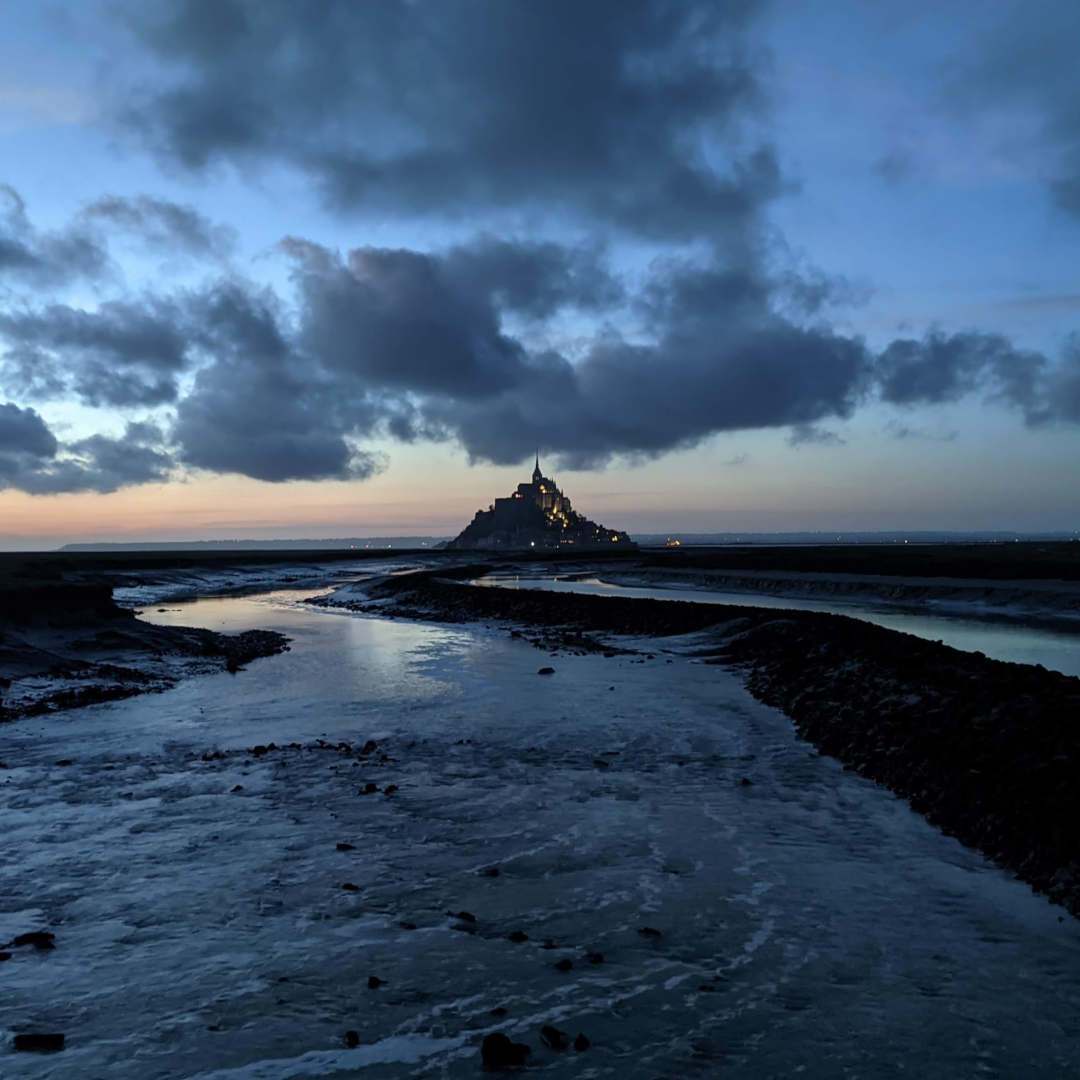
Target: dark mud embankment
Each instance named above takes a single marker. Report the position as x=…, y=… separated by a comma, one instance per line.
x=64, y=645
x=986, y=750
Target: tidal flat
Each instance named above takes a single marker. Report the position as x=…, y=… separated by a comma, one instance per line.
x=400, y=829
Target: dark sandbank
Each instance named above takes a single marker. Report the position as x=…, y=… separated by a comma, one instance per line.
x=65, y=644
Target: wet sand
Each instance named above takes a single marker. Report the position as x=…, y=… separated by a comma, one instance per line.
x=987, y=750
x=809, y=922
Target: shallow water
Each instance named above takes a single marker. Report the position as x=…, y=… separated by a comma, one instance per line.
x=203, y=932
x=1057, y=651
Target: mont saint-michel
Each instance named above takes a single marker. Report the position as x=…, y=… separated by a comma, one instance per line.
x=537, y=516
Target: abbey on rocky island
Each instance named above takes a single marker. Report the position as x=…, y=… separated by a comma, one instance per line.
x=537, y=516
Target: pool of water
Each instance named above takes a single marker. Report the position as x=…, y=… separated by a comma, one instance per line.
x=811, y=924
x=1056, y=650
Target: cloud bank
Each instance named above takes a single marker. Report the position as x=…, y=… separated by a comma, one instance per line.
x=624, y=293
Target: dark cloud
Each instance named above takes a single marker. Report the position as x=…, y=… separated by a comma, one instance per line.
x=412, y=345
x=125, y=353
x=534, y=279
x=402, y=321
x=42, y=258
x=24, y=433
x=260, y=408
x=623, y=111
x=947, y=367
x=160, y=224
x=1063, y=390
x=103, y=464
x=32, y=460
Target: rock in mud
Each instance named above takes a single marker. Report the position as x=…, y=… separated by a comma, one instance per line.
x=374, y=982
x=581, y=1043
x=42, y=940
x=343, y=846
x=499, y=1052
x=564, y=965
x=348, y=886
x=517, y=936
x=464, y=916
x=368, y=789
x=553, y=1037
x=546, y=671
x=595, y=957
x=39, y=1042
x=352, y=1039
x=650, y=932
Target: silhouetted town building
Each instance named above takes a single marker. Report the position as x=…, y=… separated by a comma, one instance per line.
x=537, y=516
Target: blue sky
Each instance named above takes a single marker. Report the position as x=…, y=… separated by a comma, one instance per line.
x=921, y=151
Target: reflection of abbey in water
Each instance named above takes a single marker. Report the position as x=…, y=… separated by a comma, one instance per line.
x=537, y=515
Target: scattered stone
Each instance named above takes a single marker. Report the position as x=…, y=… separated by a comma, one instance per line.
x=350, y=887
x=343, y=846
x=368, y=789
x=352, y=1039
x=546, y=671
x=390, y=789
x=39, y=1042
x=600, y=763
x=464, y=916
x=553, y=1037
x=581, y=1043
x=499, y=1052
x=517, y=936
x=490, y=871
x=595, y=957
x=649, y=932
x=42, y=940
x=64, y=762
x=706, y=988
x=369, y=747
x=4, y=956
x=564, y=965
x=746, y=782
x=237, y=787
x=407, y=925
x=549, y=943
x=374, y=982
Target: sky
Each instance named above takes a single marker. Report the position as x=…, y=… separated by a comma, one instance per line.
x=339, y=269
